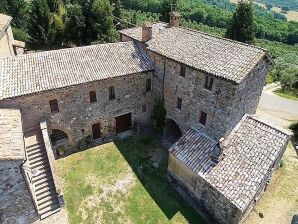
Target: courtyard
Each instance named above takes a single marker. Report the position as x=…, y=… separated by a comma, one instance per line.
x=122, y=182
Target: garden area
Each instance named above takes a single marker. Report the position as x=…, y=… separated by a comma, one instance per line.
x=122, y=182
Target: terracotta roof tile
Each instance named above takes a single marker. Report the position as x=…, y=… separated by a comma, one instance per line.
x=36, y=72
x=249, y=153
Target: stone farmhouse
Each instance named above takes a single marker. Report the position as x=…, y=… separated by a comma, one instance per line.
x=219, y=152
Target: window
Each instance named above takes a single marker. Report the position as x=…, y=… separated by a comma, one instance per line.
x=54, y=105
x=112, y=93
x=148, y=85
x=203, y=118
x=96, y=131
x=182, y=70
x=92, y=96
x=179, y=103
x=208, y=82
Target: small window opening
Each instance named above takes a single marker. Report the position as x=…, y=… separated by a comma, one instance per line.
x=208, y=82
x=203, y=118
x=148, y=85
x=54, y=105
x=179, y=103
x=92, y=96
x=182, y=71
x=112, y=93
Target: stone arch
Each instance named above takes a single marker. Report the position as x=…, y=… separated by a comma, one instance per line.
x=58, y=135
x=172, y=132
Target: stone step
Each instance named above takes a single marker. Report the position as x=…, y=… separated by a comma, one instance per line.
x=47, y=214
x=40, y=191
x=50, y=202
x=34, y=146
x=45, y=173
x=35, y=151
x=39, y=163
x=43, y=185
x=41, y=167
x=36, y=155
x=46, y=194
x=42, y=180
x=43, y=156
x=49, y=208
x=47, y=198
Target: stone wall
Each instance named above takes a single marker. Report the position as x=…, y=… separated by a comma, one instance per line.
x=16, y=205
x=213, y=203
x=77, y=115
x=247, y=94
x=225, y=104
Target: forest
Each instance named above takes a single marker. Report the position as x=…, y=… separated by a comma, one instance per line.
x=53, y=24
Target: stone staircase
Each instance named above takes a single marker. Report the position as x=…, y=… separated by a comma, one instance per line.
x=42, y=183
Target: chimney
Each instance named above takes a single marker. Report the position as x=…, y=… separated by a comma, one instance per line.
x=174, y=19
x=146, y=32
x=217, y=151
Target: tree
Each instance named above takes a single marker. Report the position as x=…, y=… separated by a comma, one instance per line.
x=285, y=9
x=166, y=7
x=16, y=9
x=74, y=23
x=41, y=27
x=242, y=24
x=134, y=19
x=102, y=26
x=159, y=114
x=289, y=77
x=54, y=5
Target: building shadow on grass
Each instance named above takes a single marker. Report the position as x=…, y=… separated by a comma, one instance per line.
x=142, y=154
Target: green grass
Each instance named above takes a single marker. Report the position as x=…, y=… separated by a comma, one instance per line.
x=117, y=183
x=291, y=95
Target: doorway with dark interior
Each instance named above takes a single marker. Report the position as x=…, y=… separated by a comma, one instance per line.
x=96, y=134
x=123, y=123
x=172, y=132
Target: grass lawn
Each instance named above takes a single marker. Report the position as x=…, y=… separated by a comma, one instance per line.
x=280, y=202
x=287, y=94
x=117, y=183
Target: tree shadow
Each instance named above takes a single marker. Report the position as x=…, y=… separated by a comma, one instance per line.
x=141, y=154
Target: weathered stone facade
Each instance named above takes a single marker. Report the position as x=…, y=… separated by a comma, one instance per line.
x=225, y=104
x=77, y=115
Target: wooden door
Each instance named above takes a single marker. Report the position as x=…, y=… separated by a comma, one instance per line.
x=96, y=131
x=123, y=123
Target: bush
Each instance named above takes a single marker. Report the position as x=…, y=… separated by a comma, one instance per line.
x=159, y=114
x=88, y=139
x=294, y=128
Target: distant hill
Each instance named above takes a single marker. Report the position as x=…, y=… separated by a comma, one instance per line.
x=291, y=4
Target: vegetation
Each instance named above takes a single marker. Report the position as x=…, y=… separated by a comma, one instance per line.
x=117, y=183
x=294, y=128
x=241, y=27
x=159, y=114
x=290, y=4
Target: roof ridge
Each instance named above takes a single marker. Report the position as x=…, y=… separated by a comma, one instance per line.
x=274, y=126
x=69, y=49
x=223, y=38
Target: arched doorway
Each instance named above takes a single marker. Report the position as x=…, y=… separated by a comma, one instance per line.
x=172, y=132
x=58, y=136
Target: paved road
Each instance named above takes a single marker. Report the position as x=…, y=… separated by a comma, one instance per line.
x=277, y=110
x=274, y=103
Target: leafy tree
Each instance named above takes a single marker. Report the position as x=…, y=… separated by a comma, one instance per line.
x=242, y=24
x=74, y=23
x=16, y=9
x=102, y=26
x=159, y=114
x=134, y=19
x=285, y=8
x=41, y=27
x=289, y=77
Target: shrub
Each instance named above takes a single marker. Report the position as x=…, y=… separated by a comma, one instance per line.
x=88, y=139
x=159, y=114
x=294, y=128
